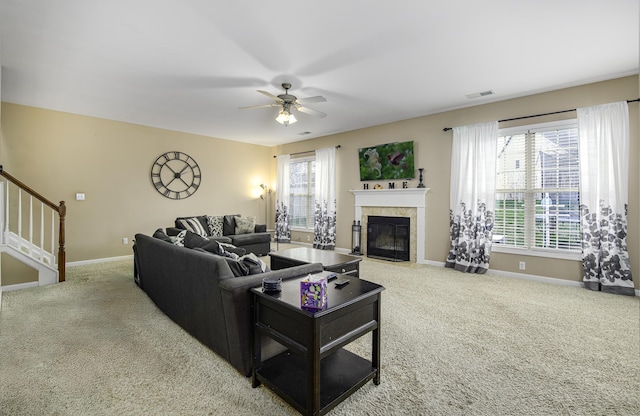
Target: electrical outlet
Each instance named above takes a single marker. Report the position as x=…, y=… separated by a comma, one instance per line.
x=308, y=238
x=522, y=265
x=125, y=240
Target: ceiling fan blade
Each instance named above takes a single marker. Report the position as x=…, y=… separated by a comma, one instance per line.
x=268, y=94
x=260, y=106
x=311, y=111
x=316, y=99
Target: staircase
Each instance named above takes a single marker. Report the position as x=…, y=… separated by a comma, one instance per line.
x=25, y=216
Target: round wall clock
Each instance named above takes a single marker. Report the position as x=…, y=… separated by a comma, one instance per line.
x=176, y=175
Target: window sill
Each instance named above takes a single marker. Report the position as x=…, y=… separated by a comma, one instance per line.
x=555, y=254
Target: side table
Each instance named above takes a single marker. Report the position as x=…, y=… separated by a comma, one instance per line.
x=316, y=373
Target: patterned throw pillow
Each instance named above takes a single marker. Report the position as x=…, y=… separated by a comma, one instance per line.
x=245, y=225
x=193, y=225
x=179, y=239
x=215, y=226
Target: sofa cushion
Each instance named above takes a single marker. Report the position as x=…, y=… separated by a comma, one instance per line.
x=229, y=224
x=245, y=225
x=215, y=226
x=197, y=224
x=242, y=240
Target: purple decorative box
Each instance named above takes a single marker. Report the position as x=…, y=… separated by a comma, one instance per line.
x=313, y=293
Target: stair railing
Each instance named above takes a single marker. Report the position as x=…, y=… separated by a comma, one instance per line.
x=61, y=209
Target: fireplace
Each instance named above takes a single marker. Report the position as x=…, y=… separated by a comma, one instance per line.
x=388, y=237
x=401, y=202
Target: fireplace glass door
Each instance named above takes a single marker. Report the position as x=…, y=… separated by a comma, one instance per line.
x=388, y=238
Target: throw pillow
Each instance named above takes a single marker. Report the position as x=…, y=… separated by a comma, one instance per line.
x=161, y=235
x=178, y=240
x=215, y=226
x=237, y=267
x=193, y=240
x=245, y=225
x=192, y=224
x=212, y=246
x=229, y=224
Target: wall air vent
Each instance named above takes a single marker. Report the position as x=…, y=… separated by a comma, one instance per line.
x=479, y=94
x=304, y=133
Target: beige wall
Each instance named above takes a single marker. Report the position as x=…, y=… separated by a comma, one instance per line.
x=433, y=153
x=60, y=154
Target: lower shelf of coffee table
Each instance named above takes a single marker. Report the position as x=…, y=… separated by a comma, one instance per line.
x=341, y=374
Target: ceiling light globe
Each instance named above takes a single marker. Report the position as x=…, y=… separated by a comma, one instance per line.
x=286, y=118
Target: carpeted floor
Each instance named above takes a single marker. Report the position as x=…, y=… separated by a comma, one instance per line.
x=452, y=344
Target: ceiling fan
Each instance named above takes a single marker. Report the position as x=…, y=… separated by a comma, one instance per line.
x=288, y=102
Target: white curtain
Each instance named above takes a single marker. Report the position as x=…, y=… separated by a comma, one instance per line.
x=604, y=174
x=472, y=198
x=325, y=199
x=283, y=229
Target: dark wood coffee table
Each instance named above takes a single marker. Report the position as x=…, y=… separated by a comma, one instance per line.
x=331, y=261
x=316, y=373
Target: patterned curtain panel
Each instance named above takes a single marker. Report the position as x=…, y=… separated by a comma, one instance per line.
x=604, y=173
x=472, y=198
x=325, y=212
x=283, y=230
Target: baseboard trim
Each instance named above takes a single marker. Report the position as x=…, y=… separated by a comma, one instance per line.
x=536, y=278
x=102, y=260
x=19, y=286
x=533, y=277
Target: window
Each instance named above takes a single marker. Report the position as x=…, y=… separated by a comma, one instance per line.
x=302, y=189
x=538, y=191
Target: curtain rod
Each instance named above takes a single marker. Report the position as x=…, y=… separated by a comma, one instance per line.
x=540, y=115
x=308, y=151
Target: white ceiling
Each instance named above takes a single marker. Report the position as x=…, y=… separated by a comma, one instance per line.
x=188, y=65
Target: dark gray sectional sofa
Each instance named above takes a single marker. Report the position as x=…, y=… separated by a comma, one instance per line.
x=225, y=228
x=199, y=292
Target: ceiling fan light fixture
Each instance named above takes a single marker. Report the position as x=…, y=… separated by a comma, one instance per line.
x=285, y=117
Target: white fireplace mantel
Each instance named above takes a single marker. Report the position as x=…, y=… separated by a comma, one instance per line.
x=404, y=197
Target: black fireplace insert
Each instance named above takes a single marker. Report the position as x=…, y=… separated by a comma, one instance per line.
x=388, y=238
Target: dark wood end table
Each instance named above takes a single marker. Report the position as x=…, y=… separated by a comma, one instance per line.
x=331, y=261
x=316, y=373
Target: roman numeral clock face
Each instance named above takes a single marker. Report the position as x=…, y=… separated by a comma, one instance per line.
x=176, y=175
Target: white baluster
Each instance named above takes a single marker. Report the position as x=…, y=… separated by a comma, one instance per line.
x=19, y=219
x=41, y=231
x=53, y=243
x=6, y=213
x=30, y=225
x=2, y=212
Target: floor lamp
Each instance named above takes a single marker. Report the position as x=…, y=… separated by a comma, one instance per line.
x=265, y=198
